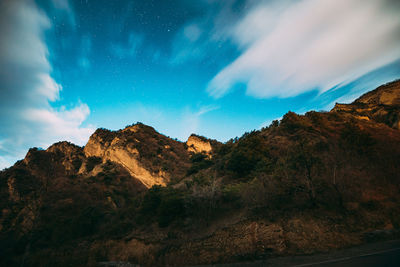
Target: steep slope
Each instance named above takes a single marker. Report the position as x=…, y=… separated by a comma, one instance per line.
x=309, y=183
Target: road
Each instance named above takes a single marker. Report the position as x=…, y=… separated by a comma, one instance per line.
x=382, y=254
x=381, y=258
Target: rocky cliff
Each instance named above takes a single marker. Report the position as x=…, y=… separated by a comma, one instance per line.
x=199, y=144
x=149, y=156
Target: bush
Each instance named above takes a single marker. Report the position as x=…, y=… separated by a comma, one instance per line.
x=356, y=139
x=241, y=163
x=231, y=193
x=250, y=155
x=199, y=162
x=164, y=204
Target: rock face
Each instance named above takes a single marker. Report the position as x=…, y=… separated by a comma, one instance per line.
x=381, y=105
x=199, y=144
x=140, y=150
x=127, y=156
x=71, y=155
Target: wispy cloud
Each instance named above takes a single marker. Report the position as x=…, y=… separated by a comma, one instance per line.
x=65, y=6
x=289, y=48
x=205, y=109
x=191, y=120
x=86, y=48
x=349, y=92
x=27, y=87
x=203, y=37
x=189, y=44
x=130, y=49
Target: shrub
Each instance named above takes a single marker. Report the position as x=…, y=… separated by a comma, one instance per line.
x=356, y=139
x=199, y=162
x=164, y=204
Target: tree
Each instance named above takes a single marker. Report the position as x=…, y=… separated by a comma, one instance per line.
x=304, y=161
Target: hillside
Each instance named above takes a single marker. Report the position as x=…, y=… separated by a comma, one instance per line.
x=305, y=184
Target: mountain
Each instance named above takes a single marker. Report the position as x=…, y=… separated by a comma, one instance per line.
x=305, y=184
x=148, y=156
x=381, y=105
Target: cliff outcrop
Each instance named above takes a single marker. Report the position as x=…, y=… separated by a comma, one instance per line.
x=381, y=105
x=148, y=156
x=199, y=144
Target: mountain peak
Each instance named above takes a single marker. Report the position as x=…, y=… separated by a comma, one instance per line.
x=139, y=127
x=141, y=150
x=63, y=146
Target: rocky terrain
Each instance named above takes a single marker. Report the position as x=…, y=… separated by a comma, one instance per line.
x=308, y=183
x=381, y=105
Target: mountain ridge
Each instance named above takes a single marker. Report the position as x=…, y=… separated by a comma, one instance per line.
x=305, y=184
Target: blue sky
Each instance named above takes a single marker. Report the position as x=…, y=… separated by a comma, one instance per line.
x=215, y=68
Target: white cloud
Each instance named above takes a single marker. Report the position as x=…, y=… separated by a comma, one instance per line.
x=363, y=85
x=54, y=125
x=291, y=48
x=26, y=87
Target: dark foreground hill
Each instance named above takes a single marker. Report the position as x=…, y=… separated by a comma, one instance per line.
x=309, y=183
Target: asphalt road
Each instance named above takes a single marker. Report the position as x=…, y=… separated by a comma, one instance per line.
x=382, y=254
x=381, y=258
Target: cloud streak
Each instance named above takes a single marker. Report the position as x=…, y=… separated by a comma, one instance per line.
x=130, y=49
x=27, y=88
x=291, y=48
x=65, y=6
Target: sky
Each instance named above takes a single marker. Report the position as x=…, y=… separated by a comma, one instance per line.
x=210, y=67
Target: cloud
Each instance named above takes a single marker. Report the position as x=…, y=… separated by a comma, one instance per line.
x=350, y=92
x=65, y=6
x=188, y=44
x=128, y=50
x=289, y=48
x=203, y=37
x=192, y=32
x=191, y=120
x=86, y=48
x=205, y=109
x=26, y=87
